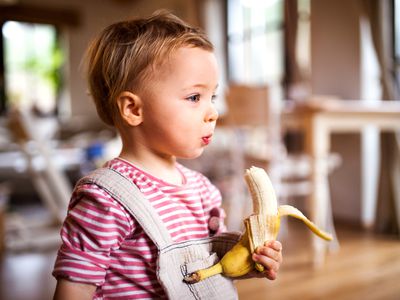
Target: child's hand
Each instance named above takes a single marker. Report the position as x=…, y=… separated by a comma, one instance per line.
x=270, y=256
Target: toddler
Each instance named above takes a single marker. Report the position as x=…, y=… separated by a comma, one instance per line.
x=154, y=79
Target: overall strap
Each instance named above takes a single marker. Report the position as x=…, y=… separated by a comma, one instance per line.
x=131, y=198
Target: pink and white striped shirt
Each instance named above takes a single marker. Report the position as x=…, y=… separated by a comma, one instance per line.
x=103, y=245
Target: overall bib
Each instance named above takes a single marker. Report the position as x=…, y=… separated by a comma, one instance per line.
x=175, y=260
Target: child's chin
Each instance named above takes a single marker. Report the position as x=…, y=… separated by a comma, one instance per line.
x=193, y=155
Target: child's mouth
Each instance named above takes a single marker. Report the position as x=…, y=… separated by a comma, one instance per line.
x=206, y=139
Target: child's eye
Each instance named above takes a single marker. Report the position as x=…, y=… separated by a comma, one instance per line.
x=194, y=98
x=214, y=98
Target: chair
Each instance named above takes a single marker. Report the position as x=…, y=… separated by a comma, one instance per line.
x=50, y=182
x=255, y=120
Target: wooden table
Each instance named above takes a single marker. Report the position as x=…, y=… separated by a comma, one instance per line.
x=319, y=119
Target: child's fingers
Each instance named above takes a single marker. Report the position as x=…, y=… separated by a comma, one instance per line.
x=274, y=244
x=270, y=256
x=268, y=262
x=270, y=274
x=270, y=252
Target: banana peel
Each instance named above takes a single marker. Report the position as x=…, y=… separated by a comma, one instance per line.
x=263, y=225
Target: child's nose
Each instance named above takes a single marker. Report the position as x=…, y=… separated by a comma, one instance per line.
x=212, y=114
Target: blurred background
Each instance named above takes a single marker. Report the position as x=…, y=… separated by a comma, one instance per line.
x=309, y=91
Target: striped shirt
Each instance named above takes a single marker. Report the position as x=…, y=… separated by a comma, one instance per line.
x=102, y=244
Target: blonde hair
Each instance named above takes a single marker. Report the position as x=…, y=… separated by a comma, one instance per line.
x=125, y=53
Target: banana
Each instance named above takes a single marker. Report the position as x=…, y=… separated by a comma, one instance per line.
x=263, y=225
x=236, y=262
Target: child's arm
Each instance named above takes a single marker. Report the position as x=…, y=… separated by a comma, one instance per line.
x=83, y=245
x=68, y=290
x=270, y=256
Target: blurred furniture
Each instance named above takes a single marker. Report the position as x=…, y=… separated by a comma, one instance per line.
x=36, y=158
x=255, y=121
x=319, y=119
x=250, y=109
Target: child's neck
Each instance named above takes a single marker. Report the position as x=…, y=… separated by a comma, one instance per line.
x=161, y=167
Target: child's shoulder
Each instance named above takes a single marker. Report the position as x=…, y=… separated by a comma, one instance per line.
x=125, y=168
x=117, y=164
x=87, y=186
x=95, y=193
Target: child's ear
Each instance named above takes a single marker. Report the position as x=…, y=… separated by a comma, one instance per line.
x=130, y=108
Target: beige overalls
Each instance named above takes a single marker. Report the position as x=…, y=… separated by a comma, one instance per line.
x=175, y=260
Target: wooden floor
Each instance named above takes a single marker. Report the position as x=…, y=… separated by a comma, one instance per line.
x=366, y=267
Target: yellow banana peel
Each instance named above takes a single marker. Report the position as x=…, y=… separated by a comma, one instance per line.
x=263, y=225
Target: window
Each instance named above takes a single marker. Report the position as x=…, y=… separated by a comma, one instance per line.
x=303, y=50
x=255, y=41
x=396, y=23
x=32, y=62
x=32, y=66
x=396, y=41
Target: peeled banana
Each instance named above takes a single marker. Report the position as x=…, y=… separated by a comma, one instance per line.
x=263, y=225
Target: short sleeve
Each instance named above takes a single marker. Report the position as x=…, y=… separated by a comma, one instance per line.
x=95, y=225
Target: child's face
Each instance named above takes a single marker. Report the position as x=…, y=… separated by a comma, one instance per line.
x=179, y=115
